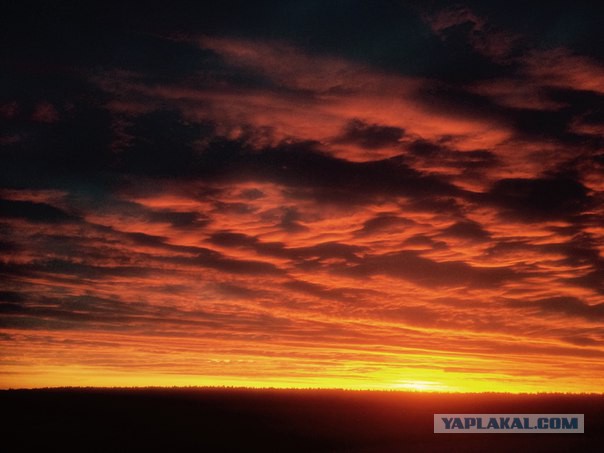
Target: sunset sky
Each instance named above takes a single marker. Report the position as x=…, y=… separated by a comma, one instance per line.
x=376, y=195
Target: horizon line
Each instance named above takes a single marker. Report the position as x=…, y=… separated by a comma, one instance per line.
x=302, y=389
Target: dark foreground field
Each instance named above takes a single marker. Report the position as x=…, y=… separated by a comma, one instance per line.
x=207, y=420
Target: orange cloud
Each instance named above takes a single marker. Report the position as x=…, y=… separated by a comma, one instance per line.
x=313, y=222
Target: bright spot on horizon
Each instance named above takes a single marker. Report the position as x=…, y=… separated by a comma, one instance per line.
x=421, y=386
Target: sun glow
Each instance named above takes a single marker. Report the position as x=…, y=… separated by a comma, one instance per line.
x=422, y=386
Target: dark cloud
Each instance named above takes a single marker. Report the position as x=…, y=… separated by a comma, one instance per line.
x=149, y=240
x=201, y=257
x=95, y=313
x=384, y=222
x=423, y=271
x=424, y=241
x=233, y=208
x=454, y=99
x=34, y=212
x=326, y=175
x=74, y=151
x=11, y=296
x=321, y=251
x=565, y=306
x=582, y=340
x=370, y=136
x=82, y=270
x=290, y=220
x=540, y=198
x=8, y=246
x=466, y=230
x=348, y=295
x=426, y=148
x=473, y=162
x=459, y=24
x=252, y=194
x=443, y=203
x=215, y=260
x=580, y=250
x=327, y=250
x=313, y=173
x=179, y=219
x=557, y=25
x=593, y=279
x=162, y=145
x=534, y=124
x=548, y=125
x=238, y=291
x=442, y=155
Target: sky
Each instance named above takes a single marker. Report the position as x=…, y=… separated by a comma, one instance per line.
x=362, y=195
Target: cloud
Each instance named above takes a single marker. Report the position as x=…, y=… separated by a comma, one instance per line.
x=179, y=219
x=423, y=271
x=482, y=36
x=34, y=212
x=466, y=230
x=561, y=68
x=266, y=194
x=370, y=136
x=566, y=306
x=384, y=222
x=322, y=251
x=592, y=279
x=540, y=198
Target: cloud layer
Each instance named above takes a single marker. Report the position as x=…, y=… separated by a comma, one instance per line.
x=260, y=203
